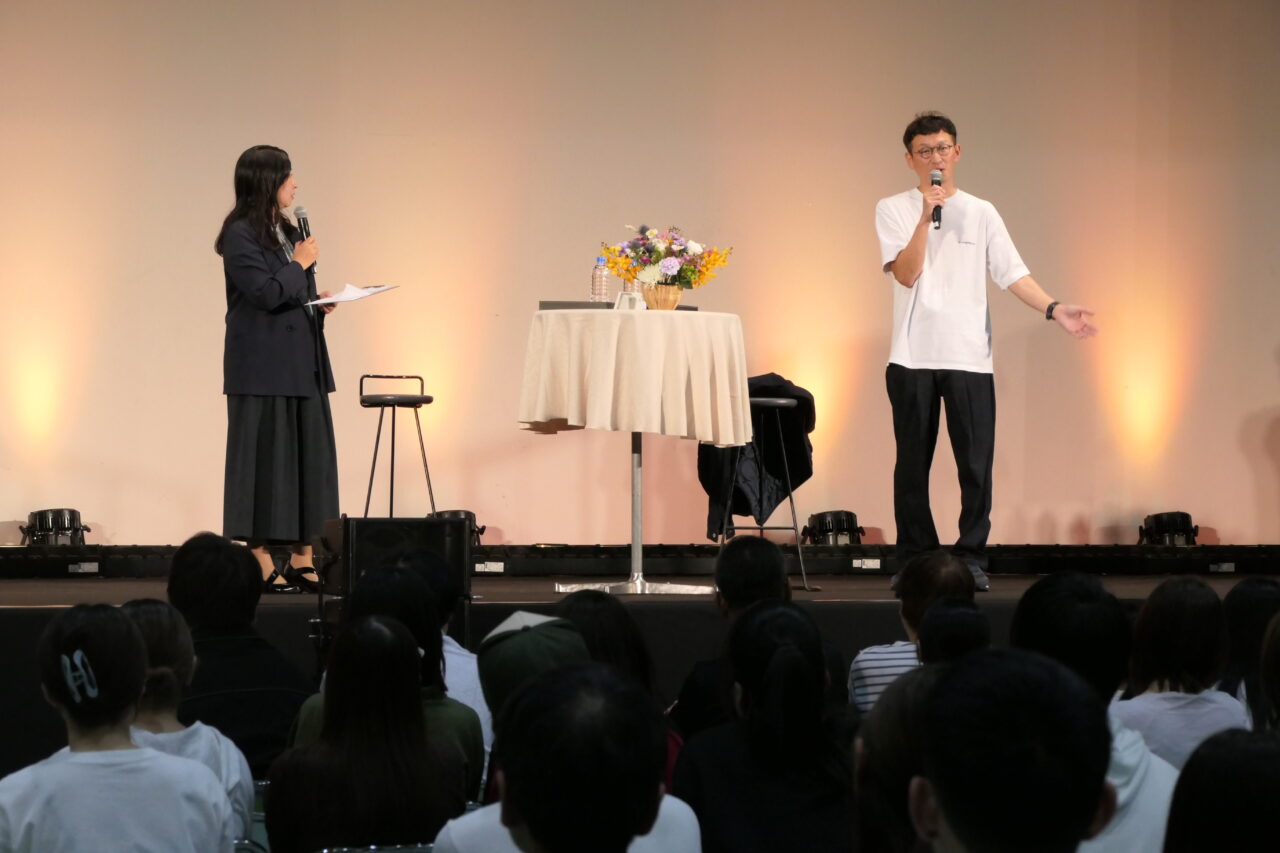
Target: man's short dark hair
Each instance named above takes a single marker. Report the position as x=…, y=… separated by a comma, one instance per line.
x=214, y=583
x=929, y=577
x=750, y=569
x=1016, y=750
x=952, y=628
x=927, y=124
x=1071, y=618
x=1179, y=638
x=582, y=753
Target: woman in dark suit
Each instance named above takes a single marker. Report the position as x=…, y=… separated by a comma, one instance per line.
x=281, y=473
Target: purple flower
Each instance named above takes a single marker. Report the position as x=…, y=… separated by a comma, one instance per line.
x=669, y=266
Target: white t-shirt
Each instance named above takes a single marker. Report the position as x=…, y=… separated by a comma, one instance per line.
x=942, y=322
x=462, y=681
x=1144, y=785
x=481, y=831
x=139, y=800
x=1174, y=724
x=216, y=751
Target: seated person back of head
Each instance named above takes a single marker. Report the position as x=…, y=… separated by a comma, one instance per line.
x=749, y=569
x=924, y=580
x=102, y=792
x=243, y=686
x=1179, y=647
x=776, y=778
x=579, y=758
x=1071, y=618
x=950, y=629
x=1015, y=758
x=372, y=777
x=1225, y=795
x=452, y=727
x=170, y=664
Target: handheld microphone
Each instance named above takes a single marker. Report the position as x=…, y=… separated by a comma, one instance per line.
x=935, y=178
x=300, y=213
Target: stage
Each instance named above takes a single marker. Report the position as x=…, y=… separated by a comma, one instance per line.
x=852, y=612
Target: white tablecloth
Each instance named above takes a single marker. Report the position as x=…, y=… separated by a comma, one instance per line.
x=680, y=373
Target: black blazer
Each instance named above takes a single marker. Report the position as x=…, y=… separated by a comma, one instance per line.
x=274, y=346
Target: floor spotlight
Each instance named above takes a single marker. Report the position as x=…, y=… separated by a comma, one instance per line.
x=1168, y=528
x=837, y=527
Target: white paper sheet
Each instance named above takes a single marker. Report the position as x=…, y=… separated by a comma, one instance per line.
x=350, y=293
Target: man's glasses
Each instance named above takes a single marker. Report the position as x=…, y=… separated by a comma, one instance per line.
x=925, y=153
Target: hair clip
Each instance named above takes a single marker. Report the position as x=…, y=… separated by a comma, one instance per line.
x=77, y=673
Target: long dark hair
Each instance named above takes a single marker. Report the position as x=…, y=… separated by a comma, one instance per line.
x=1248, y=608
x=775, y=651
x=260, y=172
x=403, y=595
x=1225, y=794
x=171, y=657
x=611, y=634
x=1179, y=640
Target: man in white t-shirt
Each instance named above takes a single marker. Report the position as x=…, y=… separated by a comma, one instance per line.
x=938, y=244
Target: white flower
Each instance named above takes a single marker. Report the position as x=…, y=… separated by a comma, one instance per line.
x=660, y=245
x=650, y=275
x=694, y=248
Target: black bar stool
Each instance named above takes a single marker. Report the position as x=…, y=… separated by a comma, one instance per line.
x=760, y=405
x=382, y=402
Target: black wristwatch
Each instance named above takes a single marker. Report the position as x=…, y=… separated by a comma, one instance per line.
x=1048, y=312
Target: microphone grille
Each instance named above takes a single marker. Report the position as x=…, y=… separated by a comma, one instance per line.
x=935, y=177
x=299, y=212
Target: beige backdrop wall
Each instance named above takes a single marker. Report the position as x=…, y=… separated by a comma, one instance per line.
x=476, y=153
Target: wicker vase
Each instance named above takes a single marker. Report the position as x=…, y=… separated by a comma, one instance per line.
x=662, y=297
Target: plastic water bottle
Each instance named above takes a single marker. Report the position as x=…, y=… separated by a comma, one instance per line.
x=600, y=282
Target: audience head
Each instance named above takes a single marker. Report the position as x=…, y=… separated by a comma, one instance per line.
x=1071, y=618
x=950, y=629
x=611, y=633
x=403, y=595
x=927, y=578
x=214, y=583
x=888, y=754
x=1179, y=642
x=445, y=583
x=523, y=646
x=580, y=753
x=1225, y=794
x=750, y=569
x=1269, y=677
x=171, y=657
x=371, y=690
x=1016, y=755
x=780, y=682
x=93, y=665
x=1247, y=609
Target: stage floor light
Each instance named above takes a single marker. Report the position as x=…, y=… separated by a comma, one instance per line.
x=1168, y=528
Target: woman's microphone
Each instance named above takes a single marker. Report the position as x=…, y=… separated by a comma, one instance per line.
x=300, y=213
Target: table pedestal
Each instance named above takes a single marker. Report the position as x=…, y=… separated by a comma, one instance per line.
x=636, y=584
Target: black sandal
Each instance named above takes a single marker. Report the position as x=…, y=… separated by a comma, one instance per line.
x=269, y=583
x=297, y=576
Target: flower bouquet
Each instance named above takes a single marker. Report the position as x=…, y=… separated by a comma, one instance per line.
x=663, y=259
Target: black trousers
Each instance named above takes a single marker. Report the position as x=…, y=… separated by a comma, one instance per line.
x=970, y=401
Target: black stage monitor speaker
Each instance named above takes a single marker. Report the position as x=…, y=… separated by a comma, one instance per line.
x=357, y=545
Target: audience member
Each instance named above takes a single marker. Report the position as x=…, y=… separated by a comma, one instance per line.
x=578, y=759
x=371, y=778
x=1225, y=795
x=1071, y=618
x=749, y=569
x=171, y=661
x=1247, y=609
x=1179, y=646
x=1269, y=677
x=461, y=669
x=451, y=726
x=522, y=647
x=888, y=753
x=102, y=792
x=925, y=579
x=775, y=778
x=243, y=686
x=1015, y=758
x=950, y=629
x=611, y=634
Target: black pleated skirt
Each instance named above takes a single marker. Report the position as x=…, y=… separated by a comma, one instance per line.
x=282, y=468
